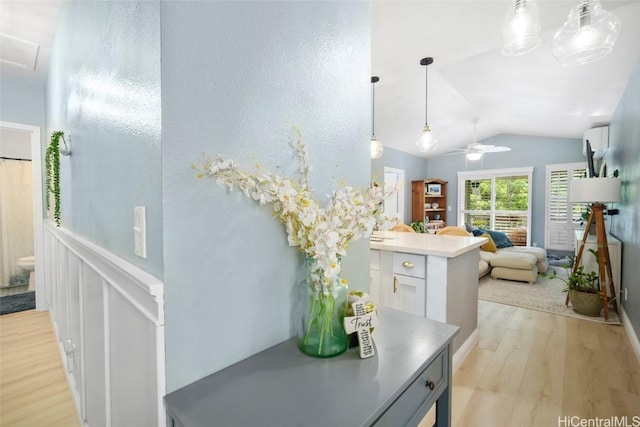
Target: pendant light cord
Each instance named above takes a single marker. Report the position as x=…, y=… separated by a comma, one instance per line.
x=373, y=109
x=426, y=91
x=374, y=80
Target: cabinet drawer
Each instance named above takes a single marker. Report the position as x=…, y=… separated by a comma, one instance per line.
x=408, y=264
x=374, y=259
x=420, y=395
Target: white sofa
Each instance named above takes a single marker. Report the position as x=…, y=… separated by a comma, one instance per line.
x=520, y=263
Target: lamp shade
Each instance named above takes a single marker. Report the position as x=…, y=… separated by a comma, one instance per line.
x=588, y=34
x=595, y=190
x=521, y=28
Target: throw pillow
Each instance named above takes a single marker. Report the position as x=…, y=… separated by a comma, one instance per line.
x=490, y=246
x=470, y=228
x=499, y=238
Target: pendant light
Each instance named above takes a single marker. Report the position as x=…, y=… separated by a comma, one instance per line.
x=375, y=147
x=427, y=141
x=521, y=28
x=588, y=34
x=474, y=156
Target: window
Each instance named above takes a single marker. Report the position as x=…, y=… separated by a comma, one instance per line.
x=562, y=217
x=496, y=199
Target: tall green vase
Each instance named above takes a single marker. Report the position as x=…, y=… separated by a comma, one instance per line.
x=322, y=306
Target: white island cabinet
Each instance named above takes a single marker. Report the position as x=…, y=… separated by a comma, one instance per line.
x=431, y=276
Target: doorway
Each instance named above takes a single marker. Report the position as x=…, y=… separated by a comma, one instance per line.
x=32, y=135
x=394, y=204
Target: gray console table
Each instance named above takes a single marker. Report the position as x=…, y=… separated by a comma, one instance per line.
x=282, y=387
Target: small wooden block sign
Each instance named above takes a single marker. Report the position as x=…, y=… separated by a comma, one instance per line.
x=361, y=323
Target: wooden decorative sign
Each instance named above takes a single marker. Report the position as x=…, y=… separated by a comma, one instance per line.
x=361, y=323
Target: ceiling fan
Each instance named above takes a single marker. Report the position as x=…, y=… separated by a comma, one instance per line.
x=476, y=150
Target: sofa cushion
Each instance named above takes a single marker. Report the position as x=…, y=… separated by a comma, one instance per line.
x=487, y=256
x=539, y=253
x=530, y=276
x=518, y=261
x=483, y=268
x=489, y=246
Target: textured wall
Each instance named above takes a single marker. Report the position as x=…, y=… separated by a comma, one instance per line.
x=526, y=151
x=236, y=76
x=104, y=91
x=624, y=155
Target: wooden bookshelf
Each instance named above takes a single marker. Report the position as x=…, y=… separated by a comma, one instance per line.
x=423, y=197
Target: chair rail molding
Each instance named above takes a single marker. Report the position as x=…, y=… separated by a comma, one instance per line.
x=109, y=320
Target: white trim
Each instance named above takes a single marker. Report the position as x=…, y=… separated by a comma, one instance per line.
x=42, y=302
x=144, y=294
x=495, y=172
x=465, y=349
x=631, y=333
x=492, y=174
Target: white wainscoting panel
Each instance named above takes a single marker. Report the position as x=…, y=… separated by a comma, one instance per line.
x=109, y=320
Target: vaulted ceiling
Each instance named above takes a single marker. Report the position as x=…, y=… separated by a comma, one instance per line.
x=526, y=95
x=530, y=94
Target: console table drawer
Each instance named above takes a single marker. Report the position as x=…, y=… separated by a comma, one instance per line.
x=416, y=400
x=408, y=264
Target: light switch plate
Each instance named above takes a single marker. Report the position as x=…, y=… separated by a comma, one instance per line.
x=139, y=231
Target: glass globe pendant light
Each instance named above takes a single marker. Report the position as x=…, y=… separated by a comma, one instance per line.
x=376, y=148
x=521, y=29
x=427, y=141
x=588, y=34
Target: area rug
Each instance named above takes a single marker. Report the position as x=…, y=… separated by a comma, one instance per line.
x=18, y=302
x=545, y=295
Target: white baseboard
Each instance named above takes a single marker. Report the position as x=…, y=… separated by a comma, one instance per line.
x=633, y=337
x=464, y=350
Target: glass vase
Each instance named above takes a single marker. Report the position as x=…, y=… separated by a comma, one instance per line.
x=322, y=304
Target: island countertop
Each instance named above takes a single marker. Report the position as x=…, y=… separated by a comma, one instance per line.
x=424, y=244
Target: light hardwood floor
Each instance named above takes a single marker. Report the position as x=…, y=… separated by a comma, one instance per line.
x=33, y=387
x=528, y=369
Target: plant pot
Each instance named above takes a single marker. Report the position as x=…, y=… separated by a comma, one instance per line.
x=585, y=303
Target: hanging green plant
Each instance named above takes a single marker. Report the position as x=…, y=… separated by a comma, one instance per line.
x=52, y=174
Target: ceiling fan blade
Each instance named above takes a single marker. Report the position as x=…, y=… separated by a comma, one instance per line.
x=485, y=148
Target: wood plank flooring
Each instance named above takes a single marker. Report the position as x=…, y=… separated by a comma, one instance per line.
x=528, y=369
x=33, y=387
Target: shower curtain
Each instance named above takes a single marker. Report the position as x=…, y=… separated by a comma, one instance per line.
x=16, y=216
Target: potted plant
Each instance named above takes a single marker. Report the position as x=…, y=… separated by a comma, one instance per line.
x=583, y=288
x=418, y=227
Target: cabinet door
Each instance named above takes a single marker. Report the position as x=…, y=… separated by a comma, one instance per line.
x=409, y=294
x=374, y=286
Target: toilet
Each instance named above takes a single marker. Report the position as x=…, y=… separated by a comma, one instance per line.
x=28, y=263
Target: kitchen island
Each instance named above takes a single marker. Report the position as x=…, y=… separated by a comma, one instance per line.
x=432, y=276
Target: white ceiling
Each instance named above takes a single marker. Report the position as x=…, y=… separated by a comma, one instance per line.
x=526, y=95
x=27, y=23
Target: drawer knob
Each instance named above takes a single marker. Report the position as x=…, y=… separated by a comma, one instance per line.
x=407, y=264
x=430, y=384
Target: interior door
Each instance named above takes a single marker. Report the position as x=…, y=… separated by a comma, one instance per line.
x=394, y=204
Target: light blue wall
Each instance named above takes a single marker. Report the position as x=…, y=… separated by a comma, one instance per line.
x=525, y=151
x=22, y=101
x=104, y=91
x=624, y=155
x=236, y=76
x=415, y=168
